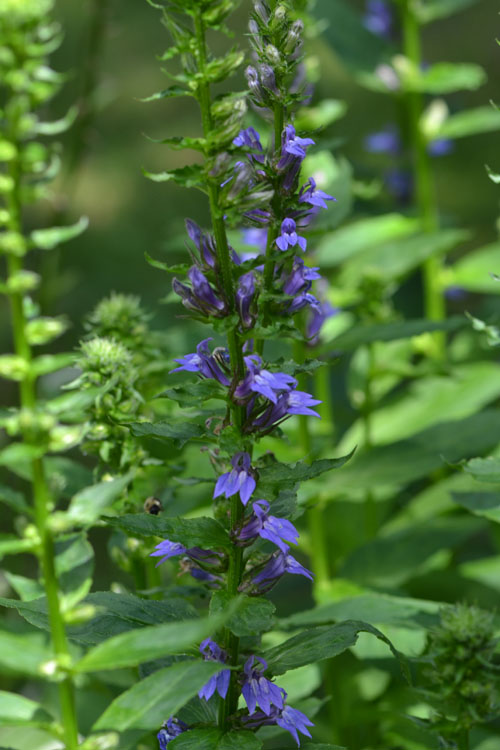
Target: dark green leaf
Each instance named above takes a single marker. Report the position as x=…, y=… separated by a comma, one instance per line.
x=485, y=504
x=178, y=432
x=191, y=532
x=193, y=394
x=14, y=500
x=254, y=615
x=74, y=563
x=179, y=268
x=239, y=740
x=86, y=506
x=319, y=643
x=279, y=475
x=197, y=739
x=160, y=695
x=484, y=469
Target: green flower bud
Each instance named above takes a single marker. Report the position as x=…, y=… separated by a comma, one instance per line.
x=12, y=243
x=272, y=54
x=42, y=330
x=13, y=367
x=22, y=282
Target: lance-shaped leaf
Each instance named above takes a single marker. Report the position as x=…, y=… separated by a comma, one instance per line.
x=432, y=10
x=23, y=654
x=469, y=122
x=279, y=476
x=484, y=469
x=445, y=78
x=214, y=739
x=478, y=270
x=58, y=126
x=485, y=504
x=161, y=694
x=18, y=710
x=48, y=239
x=191, y=532
x=168, y=93
x=253, y=616
x=88, y=504
x=323, y=642
x=190, y=176
x=177, y=432
x=177, y=268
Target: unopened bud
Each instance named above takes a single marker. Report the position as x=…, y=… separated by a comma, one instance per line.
x=272, y=54
x=262, y=10
x=268, y=78
x=294, y=36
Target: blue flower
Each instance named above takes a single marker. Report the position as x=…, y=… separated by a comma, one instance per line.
x=292, y=146
x=280, y=563
x=245, y=294
x=276, y=530
x=263, y=382
x=310, y=194
x=304, y=299
x=300, y=278
x=300, y=402
x=289, y=237
x=383, y=142
x=239, y=479
x=204, y=363
x=257, y=690
x=219, y=682
x=168, y=549
x=251, y=139
x=169, y=731
x=378, y=18
x=318, y=316
x=256, y=237
x=287, y=718
x=199, y=297
x=440, y=147
x=204, y=243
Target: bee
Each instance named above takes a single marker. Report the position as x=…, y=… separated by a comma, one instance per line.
x=153, y=506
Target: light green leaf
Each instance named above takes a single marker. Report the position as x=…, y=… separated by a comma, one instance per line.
x=48, y=239
x=469, y=122
x=74, y=563
x=484, y=469
x=278, y=476
x=190, y=176
x=474, y=271
x=16, y=709
x=160, y=695
x=86, y=506
x=494, y=176
x=22, y=654
x=178, y=432
x=26, y=588
x=432, y=10
x=171, y=91
x=445, y=78
x=12, y=545
x=58, y=126
x=191, y=532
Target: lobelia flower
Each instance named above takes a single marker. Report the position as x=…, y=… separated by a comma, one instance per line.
x=378, y=18
x=310, y=194
x=244, y=297
x=289, y=237
x=267, y=384
x=251, y=139
x=440, y=147
x=383, y=142
x=218, y=682
x=293, y=147
x=202, y=362
x=167, y=549
x=204, y=243
x=268, y=78
x=200, y=297
x=318, y=316
x=304, y=299
x=275, y=530
x=280, y=563
x=288, y=404
x=288, y=718
x=239, y=479
x=300, y=279
x=399, y=182
x=257, y=690
x=171, y=729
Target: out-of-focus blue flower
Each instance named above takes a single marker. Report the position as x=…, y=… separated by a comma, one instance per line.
x=199, y=297
x=263, y=382
x=289, y=237
x=399, y=182
x=288, y=718
x=455, y=293
x=319, y=314
x=218, y=682
x=383, y=142
x=255, y=237
x=250, y=138
x=170, y=730
x=204, y=363
x=440, y=147
x=239, y=479
x=310, y=194
x=257, y=690
x=245, y=294
x=378, y=18
x=300, y=279
x=280, y=563
x=275, y=530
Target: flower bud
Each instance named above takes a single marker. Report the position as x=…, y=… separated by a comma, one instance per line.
x=272, y=54
x=294, y=36
x=262, y=10
x=268, y=78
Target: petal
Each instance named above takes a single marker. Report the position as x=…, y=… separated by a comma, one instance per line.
x=246, y=489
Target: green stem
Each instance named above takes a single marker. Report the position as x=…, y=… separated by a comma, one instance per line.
x=435, y=307
x=42, y=498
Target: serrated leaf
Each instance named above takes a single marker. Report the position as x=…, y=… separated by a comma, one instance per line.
x=178, y=143
x=190, y=176
x=168, y=93
x=254, y=615
x=148, y=643
x=48, y=239
x=322, y=642
x=279, y=475
x=88, y=504
x=191, y=532
x=161, y=694
x=197, y=739
x=193, y=394
x=178, y=432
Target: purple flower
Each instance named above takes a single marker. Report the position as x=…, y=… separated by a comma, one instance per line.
x=204, y=243
x=399, y=182
x=383, y=142
x=267, y=384
x=440, y=147
x=300, y=402
x=292, y=146
x=279, y=564
x=287, y=718
x=289, y=237
x=168, y=549
x=257, y=690
x=304, y=299
x=203, y=575
x=251, y=139
x=301, y=278
x=268, y=78
x=204, y=363
x=378, y=18
x=293, y=402
x=244, y=297
x=256, y=237
x=199, y=297
x=170, y=730
x=218, y=682
x=318, y=316
x=239, y=479
x=276, y=530
x=310, y=194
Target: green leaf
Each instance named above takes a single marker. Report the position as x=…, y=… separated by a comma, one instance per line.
x=432, y=10
x=26, y=588
x=58, y=126
x=474, y=271
x=88, y=504
x=279, y=476
x=391, y=560
x=168, y=93
x=13, y=545
x=178, y=432
x=190, y=176
x=148, y=643
x=336, y=247
x=469, y=122
x=16, y=709
x=178, y=268
x=193, y=394
x=484, y=469
x=484, y=504
x=47, y=363
x=239, y=740
x=319, y=643
x=178, y=143
x=254, y=615
x=402, y=329
x=22, y=654
x=494, y=176
x=14, y=500
x=48, y=239
x=160, y=695
x=197, y=739
x=445, y=78
x=191, y=532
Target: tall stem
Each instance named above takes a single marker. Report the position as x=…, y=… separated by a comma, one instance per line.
x=435, y=307
x=230, y=704
x=41, y=493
